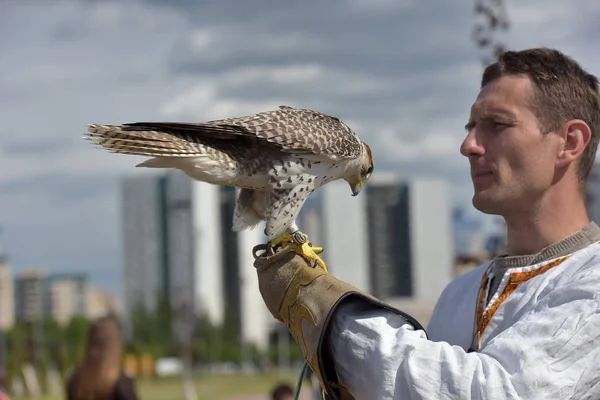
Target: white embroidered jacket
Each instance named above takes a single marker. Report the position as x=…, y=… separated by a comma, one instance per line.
x=538, y=338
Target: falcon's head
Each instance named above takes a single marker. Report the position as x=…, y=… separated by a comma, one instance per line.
x=361, y=171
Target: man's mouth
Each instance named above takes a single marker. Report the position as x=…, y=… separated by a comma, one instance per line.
x=481, y=176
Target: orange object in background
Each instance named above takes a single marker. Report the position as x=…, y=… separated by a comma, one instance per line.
x=131, y=365
x=147, y=366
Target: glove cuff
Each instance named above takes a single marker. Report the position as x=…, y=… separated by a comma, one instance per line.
x=308, y=306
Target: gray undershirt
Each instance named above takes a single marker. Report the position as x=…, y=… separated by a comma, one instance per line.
x=577, y=241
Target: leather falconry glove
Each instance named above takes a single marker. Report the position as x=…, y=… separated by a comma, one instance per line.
x=299, y=292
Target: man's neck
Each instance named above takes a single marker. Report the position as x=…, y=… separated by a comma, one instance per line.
x=531, y=231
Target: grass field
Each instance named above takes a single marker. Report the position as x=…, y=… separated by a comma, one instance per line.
x=211, y=387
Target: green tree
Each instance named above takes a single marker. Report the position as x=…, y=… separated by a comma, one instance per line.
x=151, y=331
x=74, y=338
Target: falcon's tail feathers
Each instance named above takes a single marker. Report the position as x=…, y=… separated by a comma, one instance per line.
x=120, y=139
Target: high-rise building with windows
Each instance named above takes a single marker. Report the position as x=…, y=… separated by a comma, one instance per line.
x=389, y=241
x=194, y=245
x=144, y=238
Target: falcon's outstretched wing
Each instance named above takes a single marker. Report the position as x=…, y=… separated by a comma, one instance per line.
x=292, y=130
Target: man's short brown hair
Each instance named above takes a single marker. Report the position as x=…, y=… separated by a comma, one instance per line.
x=563, y=91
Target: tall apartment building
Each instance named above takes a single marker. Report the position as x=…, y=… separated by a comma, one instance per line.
x=389, y=241
x=230, y=256
x=194, y=244
x=144, y=235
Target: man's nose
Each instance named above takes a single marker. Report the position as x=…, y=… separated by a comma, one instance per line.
x=471, y=146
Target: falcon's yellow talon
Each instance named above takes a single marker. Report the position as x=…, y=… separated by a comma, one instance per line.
x=303, y=247
x=317, y=250
x=282, y=239
x=311, y=254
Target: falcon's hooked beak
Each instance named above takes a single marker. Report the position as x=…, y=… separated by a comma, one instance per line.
x=356, y=188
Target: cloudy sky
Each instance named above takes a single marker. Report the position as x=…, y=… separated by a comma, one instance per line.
x=402, y=73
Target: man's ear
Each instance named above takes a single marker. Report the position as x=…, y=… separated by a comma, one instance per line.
x=576, y=135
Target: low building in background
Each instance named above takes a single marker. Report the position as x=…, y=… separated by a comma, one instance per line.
x=29, y=296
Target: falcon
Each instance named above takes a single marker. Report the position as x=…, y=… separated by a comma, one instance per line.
x=277, y=158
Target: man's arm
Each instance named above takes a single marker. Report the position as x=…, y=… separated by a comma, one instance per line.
x=551, y=352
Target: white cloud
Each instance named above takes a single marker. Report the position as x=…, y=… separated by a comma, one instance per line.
x=379, y=6
x=81, y=161
x=201, y=40
x=545, y=14
x=280, y=75
x=220, y=42
x=203, y=103
x=208, y=99
x=416, y=145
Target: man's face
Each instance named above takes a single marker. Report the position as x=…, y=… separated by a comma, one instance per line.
x=512, y=161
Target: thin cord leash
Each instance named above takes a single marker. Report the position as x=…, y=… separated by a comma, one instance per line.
x=301, y=379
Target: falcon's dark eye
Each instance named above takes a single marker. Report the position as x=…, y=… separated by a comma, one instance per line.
x=369, y=170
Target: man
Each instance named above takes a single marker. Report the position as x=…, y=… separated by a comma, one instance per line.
x=525, y=325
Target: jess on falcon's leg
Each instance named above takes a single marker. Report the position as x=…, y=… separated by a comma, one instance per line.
x=293, y=235
x=303, y=247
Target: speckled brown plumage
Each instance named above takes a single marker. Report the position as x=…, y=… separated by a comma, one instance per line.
x=277, y=157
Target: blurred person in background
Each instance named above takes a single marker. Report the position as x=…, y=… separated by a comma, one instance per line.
x=524, y=325
x=101, y=376
x=283, y=391
x=4, y=384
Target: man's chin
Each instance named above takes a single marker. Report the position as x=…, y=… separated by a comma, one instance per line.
x=486, y=204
